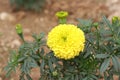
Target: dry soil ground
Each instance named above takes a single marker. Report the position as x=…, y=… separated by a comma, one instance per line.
x=42, y=22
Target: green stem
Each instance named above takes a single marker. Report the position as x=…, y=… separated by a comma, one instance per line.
x=62, y=20
x=98, y=38
x=21, y=36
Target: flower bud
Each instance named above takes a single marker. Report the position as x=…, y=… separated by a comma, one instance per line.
x=54, y=73
x=95, y=24
x=19, y=29
x=62, y=17
x=115, y=19
x=62, y=14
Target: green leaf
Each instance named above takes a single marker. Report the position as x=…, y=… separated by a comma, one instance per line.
x=105, y=32
x=76, y=77
x=32, y=63
x=86, y=78
x=35, y=57
x=25, y=68
x=85, y=22
x=66, y=78
x=42, y=66
x=50, y=65
x=38, y=37
x=116, y=63
x=102, y=56
x=42, y=52
x=108, y=23
x=94, y=77
x=28, y=77
x=42, y=35
x=105, y=76
x=104, y=65
x=12, y=63
x=118, y=41
x=72, y=77
x=22, y=59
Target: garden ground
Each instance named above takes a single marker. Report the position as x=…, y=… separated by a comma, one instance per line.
x=43, y=22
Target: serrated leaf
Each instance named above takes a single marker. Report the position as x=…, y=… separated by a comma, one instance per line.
x=25, y=67
x=102, y=56
x=76, y=77
x=72, y=77
x=104, y=65
x=116, y=63
x=33, y=63
x=42, y=35
x=28, y=77
x=94, y=77
x=42, y=65
x=85, y=22
x=35, y=57
x=42, y=51
x=108, y=23
x=105, y=32
x=118, y=41
x=86, y=78
x=50, y=65
x=66, y=78
x=21, y=59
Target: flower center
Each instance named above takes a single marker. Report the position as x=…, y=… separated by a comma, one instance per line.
x=64, y=38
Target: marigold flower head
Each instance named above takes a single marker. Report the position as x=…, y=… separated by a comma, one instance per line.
x=66, y=41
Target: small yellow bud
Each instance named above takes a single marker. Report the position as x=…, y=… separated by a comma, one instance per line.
x=115, y=19
x=54, y=73
x=19, y=29
x=95, y=24
x=62, y=14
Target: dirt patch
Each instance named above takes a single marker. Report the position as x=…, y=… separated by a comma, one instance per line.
x=41, y=22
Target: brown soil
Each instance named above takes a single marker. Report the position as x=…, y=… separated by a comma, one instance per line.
x=41, y=22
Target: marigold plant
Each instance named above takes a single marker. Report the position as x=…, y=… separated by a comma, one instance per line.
x=35, y=5
x=88, y=51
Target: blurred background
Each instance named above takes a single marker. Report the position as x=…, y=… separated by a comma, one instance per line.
x=39, y=16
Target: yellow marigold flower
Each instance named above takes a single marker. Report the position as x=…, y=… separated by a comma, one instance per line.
x=66, y=41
